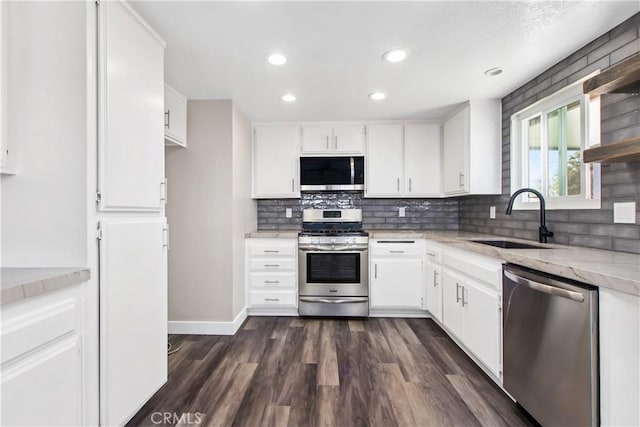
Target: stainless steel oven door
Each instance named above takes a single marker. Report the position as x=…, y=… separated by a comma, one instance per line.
x=333, y=272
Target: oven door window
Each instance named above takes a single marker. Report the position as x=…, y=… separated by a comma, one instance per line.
x=333, y=267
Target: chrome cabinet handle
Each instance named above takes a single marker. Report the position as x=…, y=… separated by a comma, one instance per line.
x=336, y=142
x=292, y=185
x=458, y=292
x=461, y=180
x=398, y=184
x=375, y=271
x=326, y=138
x=271, y=251
x=272, y=265
x=396, y=252
x=463, y=301
x=431, y=254
x=409, y=185
x=271, y=282
x=167, y=123
x=272, y=299
x=435, y=278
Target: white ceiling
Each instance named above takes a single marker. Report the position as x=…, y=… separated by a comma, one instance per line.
x=218, y=50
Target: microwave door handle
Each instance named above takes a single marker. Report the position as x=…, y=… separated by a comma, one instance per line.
x=353, y=170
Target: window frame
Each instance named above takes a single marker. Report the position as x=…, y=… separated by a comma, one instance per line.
x=589, y=136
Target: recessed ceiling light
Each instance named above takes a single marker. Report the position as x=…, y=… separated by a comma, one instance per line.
x=288, y=97
x=395, y=55
x=377, y=96
x=277, y=59
x=493, y=72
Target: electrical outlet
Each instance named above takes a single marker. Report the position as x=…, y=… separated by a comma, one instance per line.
x=401, y=212
x=288, y=213
x=624, y=213
x=492, y=212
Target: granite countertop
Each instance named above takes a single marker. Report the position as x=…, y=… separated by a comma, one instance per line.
x=21, y=283
x=607, y=269
x=288, y=234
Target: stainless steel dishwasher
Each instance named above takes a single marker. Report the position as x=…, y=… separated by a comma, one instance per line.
x=551, y=346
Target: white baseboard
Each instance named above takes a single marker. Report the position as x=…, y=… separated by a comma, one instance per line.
x=208, y=328
x=271, y=312
x=421, y=314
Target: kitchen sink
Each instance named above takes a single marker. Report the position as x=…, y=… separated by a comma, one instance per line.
x=509, y=244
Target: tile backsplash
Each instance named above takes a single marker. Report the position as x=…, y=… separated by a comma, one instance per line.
x=377, y=214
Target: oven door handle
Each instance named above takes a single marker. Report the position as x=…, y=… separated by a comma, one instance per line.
x=328, y=248
x=333, y=301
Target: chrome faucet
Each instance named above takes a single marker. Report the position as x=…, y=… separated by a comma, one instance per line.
x=543, y=233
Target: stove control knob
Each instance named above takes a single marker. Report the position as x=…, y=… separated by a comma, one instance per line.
x=315, y=240
x=333, y=240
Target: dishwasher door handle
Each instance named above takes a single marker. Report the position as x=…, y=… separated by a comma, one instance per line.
x=541, y=287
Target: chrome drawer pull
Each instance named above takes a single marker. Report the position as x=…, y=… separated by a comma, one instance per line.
x=396, y=252
x=272, y=299
x=272, y=265
x=271, y=282
x=271, y=251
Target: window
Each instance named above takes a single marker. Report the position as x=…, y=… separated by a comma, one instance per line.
x=547, y=140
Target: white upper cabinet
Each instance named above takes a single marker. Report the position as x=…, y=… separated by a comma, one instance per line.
x=334, y=140
x=384, y=161
x=403, y=161
x=275, y=161
x=422, y=162
x=472, y=150
x=175, y=117
x=131, y=131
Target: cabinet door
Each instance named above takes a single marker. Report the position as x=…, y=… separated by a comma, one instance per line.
x=275, y=162
x=131, y=93
x=385, y=159
x=396, y=283
x=452, y=286
x=348, y=139
x=482, y=324
x=175, y=120
x=45, y=388
x=316, y=139
x=422, y=172
x=133, y=315
x=433, y=290
x=455, y=152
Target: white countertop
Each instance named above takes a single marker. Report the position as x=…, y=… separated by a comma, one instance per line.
x=21, y=283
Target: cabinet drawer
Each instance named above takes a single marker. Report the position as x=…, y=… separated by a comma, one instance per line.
x=487, y=270
x=272, y=298
x=270, y=264
x=396, y=249
x=25, y=332
x=272, y=249
x=273, y=280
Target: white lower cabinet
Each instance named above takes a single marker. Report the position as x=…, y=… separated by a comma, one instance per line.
x=272, y=272
x=396, y=273
x=471, y=306
x=41, y=376
x=433, y=283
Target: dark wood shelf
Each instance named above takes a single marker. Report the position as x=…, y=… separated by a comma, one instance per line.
x=627, y=150
x=623, y=77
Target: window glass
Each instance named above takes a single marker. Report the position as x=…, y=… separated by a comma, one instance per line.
x=564, y=154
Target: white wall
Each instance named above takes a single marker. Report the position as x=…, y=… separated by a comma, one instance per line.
x=244, y=207
x=199, y=215
x=44, y=204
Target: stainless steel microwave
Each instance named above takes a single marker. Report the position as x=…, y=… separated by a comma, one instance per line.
x=331, y=173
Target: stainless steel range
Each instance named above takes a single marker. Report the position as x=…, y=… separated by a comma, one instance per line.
x=333, y=262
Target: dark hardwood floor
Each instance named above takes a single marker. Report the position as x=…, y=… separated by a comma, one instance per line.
x=283, y=371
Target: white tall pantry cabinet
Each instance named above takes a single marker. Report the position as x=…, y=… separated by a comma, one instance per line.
x=132, y=230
